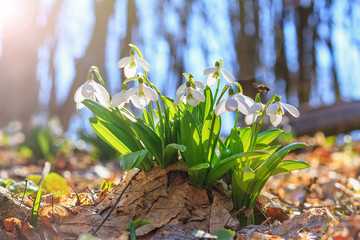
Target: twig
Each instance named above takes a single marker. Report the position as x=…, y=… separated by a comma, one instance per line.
x=22, y=199
x=235, y=213
x=78, y=203
x=117, y=201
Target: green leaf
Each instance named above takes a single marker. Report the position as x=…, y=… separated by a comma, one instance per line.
x=35, y=209
x=234, y=142
x=191, y=139
x=44, y=145
x=133, y=159
x=290, y=165
x=171, y=108
x=268, y=136
x=53, y=182
x=224, y=165
x=258, y=161
x=111, y=135
x=198, y=172
x=171, y=152
x=149, y=138
x=208, y=128
x=206, y=106
x=265, y=171
x=245, y=136
x=147, y=118
x=132, y=231
x=224, y=234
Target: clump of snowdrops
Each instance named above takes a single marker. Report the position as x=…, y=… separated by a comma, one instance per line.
x=190, y=126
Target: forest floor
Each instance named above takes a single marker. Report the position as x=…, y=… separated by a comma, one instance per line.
x=322, y=202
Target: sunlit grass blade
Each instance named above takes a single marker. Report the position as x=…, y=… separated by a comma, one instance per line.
x=245, y=136
x=36, y=207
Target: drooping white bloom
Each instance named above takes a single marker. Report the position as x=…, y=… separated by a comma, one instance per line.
x=91, y=90
x=122, y=97
x=192, y=95
x=255, y=111
x=214, y=73
x=141, y=95
x=130, y=64
x=276, y=110
x=233, y=103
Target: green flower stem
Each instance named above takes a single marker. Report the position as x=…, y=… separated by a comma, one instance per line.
x=210, y=139
x=254, y=137
x=236, y=119
x=151, y=116
x=216, y=92
x=97, y=73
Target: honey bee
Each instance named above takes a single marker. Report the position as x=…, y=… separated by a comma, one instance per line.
x=262, y=88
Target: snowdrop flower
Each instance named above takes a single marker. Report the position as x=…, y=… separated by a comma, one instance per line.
x=233, y=103
x=255, y=111
x=194, y=94
x=141, y=95
x=276, y=110
x=130, y=64
x=214, y=74
x=122, y=97
x=91, y=90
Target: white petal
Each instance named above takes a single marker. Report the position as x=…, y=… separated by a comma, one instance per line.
x=193, y=102
x=199, y=85
x=79, y=105
x=78, y=97
x=228, y=77
x=275, y=119
x=244, y=108
x=178, y=98
x=123, y=62
x=146, y=66
x=210, y=70
x=150, y=93
x=272, y=108
x=220, y=108
x=210, y=80
x=198, y=95
x=231, y=104
x=88, y=89
x=250, y=119
x=101, y=94
x=291, y=109
x=119, y=99
x=139, y=102
x=131, y=92
x=256, y=108
x=129, y=71
x=181, y=89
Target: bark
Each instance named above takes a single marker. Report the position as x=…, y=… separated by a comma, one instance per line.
x=95, y=55
x=331, y=120
x=19, y=85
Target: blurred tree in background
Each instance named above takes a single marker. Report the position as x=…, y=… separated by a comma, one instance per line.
x=307, y=51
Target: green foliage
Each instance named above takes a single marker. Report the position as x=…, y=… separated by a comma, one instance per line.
x=52, y=183
x=192, y=130
x=36, y=207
